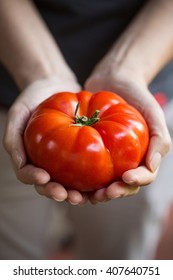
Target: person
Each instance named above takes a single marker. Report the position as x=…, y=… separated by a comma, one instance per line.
x=51, y=46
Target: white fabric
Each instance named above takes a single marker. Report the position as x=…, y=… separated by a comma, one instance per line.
x=30, y=225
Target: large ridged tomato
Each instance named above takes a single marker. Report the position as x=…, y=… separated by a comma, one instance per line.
x=86, y=141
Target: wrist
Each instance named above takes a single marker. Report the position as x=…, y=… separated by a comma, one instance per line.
x=52, y=84
x=113, y=72
x=40, y=71
x=141, y=51
x=128, y=64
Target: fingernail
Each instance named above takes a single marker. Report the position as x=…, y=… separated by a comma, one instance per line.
x=129, y=182
x=118, y=194
x=73, y=203
x=132, y=191
x=125, y=192
x=128, y=192
x=58, y=199
x=155, y=161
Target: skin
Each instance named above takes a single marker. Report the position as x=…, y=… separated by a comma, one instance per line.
x=40, y=69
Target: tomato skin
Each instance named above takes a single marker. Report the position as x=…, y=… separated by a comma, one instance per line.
x=86, y=158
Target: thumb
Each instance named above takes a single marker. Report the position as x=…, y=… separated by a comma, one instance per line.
x=13, y=137
x=160, y=140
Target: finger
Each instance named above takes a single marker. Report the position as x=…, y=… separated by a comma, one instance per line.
x=75, y=197
x=13, y=136
x=59, y=193
x=158, y=148
x=98, y=196
x=140, y=176
x=120, y=189
x=160, y=140
x=32, y=175
x=84, y=199
x=52, y=190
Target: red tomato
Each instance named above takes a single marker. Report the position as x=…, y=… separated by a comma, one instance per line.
x=82, y=148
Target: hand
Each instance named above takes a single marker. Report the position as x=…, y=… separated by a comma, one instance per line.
x=132, y=87
x=13, y=138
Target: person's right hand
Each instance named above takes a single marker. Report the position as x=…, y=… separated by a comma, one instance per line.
x=18, y=115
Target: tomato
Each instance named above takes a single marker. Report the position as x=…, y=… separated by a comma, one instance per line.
x=86, y=141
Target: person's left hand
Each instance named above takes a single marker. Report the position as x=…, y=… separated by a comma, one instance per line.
x=132, y=87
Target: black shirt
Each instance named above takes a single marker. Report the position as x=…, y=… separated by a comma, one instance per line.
x=84, y=31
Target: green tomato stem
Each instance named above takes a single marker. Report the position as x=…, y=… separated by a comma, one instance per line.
x=84, y=120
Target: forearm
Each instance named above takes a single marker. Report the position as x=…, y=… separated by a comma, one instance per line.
x=147, y=44
x=27, y=48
